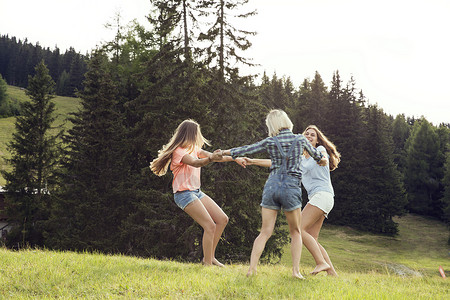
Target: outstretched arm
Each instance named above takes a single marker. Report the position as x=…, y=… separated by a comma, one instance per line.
x=258, y=162
x=196, y=162
x=217, y=156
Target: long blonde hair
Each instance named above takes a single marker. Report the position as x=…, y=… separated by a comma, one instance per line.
x=187, y=135
x=335, y=156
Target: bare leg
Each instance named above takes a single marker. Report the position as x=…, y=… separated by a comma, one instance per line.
x=269, y=217
x=199, y=213
x=221, y=220
x=294, y=221
x=312, y=215
x=314, y=232
x=331, y=271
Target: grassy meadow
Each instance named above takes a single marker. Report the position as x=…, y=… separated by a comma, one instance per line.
x=368, y=265
x=64, y=106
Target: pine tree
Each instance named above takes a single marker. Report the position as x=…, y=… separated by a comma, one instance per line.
x=54, y=62
x=385, y=196
x=345, y=128
x=400, y=133
x=92, y=200
x=443, y=132
x=300, y=118
x=424, y=170
x=277, y=93
x=77, y=69
x=317, y=102
x=446, y=183
x=171, y=92
x=225, y=42
x=34, y=159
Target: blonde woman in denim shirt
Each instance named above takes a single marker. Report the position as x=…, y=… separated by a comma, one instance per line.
x=282, y=189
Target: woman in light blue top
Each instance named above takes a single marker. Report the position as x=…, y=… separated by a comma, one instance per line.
x=317, y=182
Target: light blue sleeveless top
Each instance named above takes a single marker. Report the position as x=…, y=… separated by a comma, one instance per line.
x=316, y=178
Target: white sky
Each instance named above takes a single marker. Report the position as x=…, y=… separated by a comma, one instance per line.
x=398, y=51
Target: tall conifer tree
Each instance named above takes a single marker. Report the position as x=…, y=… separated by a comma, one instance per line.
x=319, y=100
x=34, y=160
x=345, y=128
x=424, y=170
x=92, y=200
x=171, y=92
x=446, y=183
x=225, y=42
x=400, y=133
x=300, y=117
x=385, y=196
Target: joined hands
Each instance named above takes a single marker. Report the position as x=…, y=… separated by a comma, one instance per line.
x=217, y=155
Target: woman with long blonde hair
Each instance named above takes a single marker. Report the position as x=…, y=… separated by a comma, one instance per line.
x=317, y=182
x=185, y=156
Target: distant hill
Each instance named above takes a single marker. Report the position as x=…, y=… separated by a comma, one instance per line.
x=64, y=106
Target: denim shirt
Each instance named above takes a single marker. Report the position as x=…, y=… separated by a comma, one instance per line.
x=286, y=137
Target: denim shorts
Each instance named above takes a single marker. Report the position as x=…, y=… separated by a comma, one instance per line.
x=183, y=198
x=282, y=191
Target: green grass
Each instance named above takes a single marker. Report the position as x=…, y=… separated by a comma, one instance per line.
x=16, y=93
x=370, y=266
x=46, y=274
x=64, y=106
x=421, y=246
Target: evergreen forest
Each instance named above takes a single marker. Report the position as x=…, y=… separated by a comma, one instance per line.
x=90, y=188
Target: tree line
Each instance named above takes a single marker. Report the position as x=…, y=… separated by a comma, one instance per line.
x=90, y=188
x=18, y=59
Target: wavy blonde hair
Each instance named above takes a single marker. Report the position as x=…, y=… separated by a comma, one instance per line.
x=335, y=156
x=187, y=135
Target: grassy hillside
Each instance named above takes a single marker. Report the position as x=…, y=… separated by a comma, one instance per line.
x=370, y=266
x=418, y=250
x=64, y=105
x=362, y=261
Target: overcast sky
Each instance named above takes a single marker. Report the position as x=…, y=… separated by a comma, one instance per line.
x=398, y=51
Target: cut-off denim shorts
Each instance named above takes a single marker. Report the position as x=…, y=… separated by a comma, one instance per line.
x=282, y=191
x=183, y=198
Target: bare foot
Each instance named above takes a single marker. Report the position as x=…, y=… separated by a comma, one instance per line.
x=217, y=263
x=214, y=262
x=332, y=272
x=319, y=268
x=251, y=273
x=298, y=275
x=205, y=264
